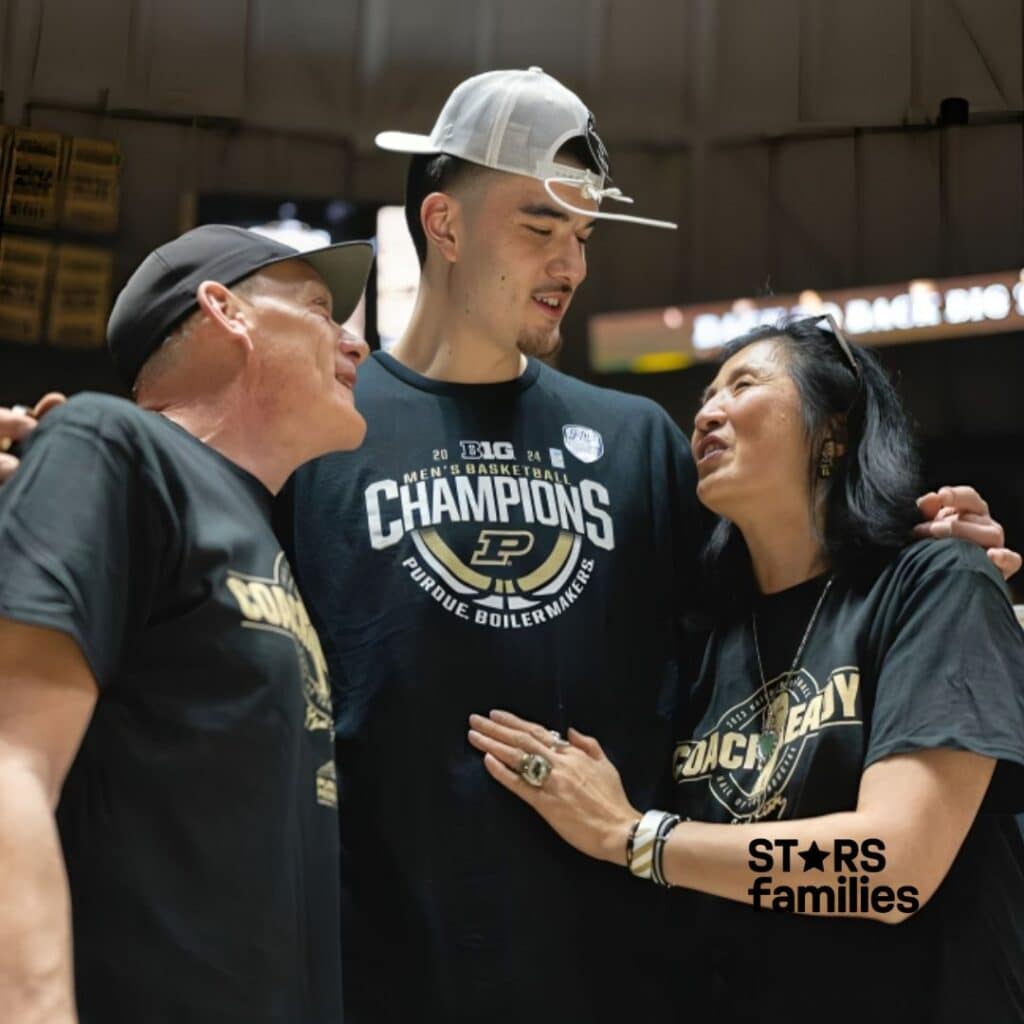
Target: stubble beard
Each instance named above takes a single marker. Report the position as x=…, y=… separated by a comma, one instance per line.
x=540, y=343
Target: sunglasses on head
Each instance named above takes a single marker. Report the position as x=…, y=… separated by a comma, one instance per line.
x=827, y=323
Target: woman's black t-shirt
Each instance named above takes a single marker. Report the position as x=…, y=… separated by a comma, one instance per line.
x=928, y=656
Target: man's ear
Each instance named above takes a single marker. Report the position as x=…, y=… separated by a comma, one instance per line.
x=440, y=217
x=220, y=304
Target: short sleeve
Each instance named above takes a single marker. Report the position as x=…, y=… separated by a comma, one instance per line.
x=73, y=539
x=952, y=668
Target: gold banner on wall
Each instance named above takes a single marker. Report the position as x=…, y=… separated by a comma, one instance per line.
x=33, y=182
x=92, y=186
x=24, y=271
x=80, y=299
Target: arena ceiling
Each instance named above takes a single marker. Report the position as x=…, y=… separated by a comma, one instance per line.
x=665, y=72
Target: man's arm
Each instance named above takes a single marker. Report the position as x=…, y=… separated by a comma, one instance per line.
x=47, y=695
x=962, y=512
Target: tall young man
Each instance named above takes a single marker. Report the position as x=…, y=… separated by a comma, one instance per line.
x=506, y=537
x=167, y=785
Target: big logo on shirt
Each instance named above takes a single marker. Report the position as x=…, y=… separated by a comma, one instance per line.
x=273, y=604
x=492, y=540
x=726, y=757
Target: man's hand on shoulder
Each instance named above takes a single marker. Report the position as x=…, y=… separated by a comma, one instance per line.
x=16, y=424
x=962, y=512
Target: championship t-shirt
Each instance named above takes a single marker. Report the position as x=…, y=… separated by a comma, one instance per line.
x=198, y=820
x=523, y=545
x=929, y=655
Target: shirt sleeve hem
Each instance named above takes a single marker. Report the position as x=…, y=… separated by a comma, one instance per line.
x=67, y=626
x=908, y=746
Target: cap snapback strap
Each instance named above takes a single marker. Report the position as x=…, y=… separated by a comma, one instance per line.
x=591, y=191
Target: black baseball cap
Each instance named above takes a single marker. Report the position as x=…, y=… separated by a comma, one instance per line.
x=162, y=291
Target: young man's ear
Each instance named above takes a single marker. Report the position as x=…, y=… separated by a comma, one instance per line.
x=439, y=217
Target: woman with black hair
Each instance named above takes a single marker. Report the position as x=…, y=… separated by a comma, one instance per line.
x=853, y=749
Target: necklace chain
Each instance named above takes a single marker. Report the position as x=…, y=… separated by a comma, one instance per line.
x=769, y=738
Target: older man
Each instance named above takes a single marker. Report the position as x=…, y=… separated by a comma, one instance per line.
x=162, y=686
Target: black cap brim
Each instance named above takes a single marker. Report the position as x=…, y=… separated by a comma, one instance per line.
x=161, y=292
x=344, y=267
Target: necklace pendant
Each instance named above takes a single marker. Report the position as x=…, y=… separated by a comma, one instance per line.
x=768, y=741
x=766, y=744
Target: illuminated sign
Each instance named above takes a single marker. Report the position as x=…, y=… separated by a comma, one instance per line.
x=651, y=341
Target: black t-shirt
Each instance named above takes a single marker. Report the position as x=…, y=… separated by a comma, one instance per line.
x=522, y=545
x=198, y=819
x=928, y=656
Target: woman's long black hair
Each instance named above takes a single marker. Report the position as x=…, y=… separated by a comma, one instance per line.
x=870, y=498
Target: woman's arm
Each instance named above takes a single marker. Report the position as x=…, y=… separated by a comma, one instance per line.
x=919, y=805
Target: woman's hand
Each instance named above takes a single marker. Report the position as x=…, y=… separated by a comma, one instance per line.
x=582, y=799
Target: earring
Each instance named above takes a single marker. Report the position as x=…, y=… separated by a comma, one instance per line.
x=825, y=463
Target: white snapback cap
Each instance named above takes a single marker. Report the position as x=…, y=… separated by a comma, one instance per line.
x=517, y=121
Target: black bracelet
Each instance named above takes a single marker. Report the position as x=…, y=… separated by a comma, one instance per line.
x=629, y=842
x=668, y=823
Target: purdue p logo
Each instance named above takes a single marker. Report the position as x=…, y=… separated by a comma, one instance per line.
x=499, y=547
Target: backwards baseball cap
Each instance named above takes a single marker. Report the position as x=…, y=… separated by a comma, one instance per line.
x=162, y=291
x=517, y=121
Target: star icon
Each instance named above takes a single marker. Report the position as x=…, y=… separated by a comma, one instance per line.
x=814, y=857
